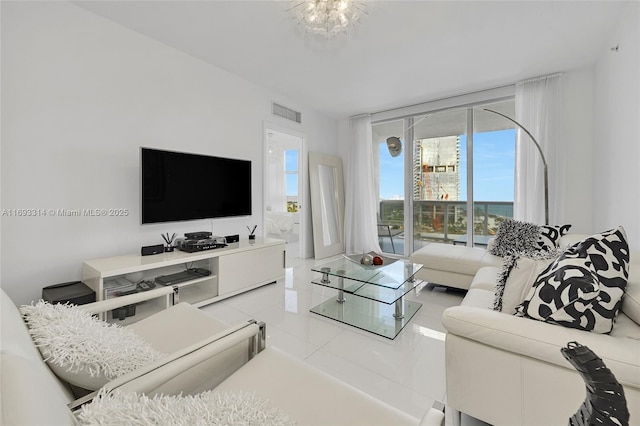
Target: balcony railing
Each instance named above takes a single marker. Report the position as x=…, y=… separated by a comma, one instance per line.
x=446, y=221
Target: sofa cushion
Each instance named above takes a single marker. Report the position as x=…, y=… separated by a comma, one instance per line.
x=583, y=288
x=449, y=257
x=485, y=278
x=478, y=297
x=276, y=375
x=625, y=328
x=80, y=348
x=177, y=322
x=631, y=303
x=631, y=298
x=540, y=340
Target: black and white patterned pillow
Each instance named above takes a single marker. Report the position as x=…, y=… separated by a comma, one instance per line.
x=583, y=288
x=563, y=293
x=514, y=236
x=550, y=235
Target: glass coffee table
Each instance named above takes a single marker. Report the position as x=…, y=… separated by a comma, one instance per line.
x=369, y=297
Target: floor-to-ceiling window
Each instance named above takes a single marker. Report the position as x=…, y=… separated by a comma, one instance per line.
x=454, y=173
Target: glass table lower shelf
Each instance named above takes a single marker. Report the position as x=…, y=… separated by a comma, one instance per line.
x=374, y=317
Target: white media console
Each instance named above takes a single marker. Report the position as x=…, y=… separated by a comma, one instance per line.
x=237, y=268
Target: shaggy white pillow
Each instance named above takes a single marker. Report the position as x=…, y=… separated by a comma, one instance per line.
x=80, y=348
x=206, y=408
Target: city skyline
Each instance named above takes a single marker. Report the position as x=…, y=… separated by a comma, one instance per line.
x=494, y=164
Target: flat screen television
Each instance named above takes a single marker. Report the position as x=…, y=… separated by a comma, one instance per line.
x=178, y=186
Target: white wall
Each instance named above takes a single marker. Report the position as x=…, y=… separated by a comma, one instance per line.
x=80, y=95
x=616, y=167
x=572, y=202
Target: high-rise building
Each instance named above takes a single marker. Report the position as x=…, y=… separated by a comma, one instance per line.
x=436, y=169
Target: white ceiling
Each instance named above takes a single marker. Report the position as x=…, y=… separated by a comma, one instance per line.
x=401, y=53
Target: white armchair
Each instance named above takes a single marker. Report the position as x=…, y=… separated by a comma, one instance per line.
x=30, y=394
x=202, y=352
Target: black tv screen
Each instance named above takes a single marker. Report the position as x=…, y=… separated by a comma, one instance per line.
x=178, y=186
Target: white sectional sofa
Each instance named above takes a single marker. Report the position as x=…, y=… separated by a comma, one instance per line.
x=508, y=370
x=31, y=394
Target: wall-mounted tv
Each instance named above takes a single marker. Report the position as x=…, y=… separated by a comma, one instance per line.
x=178, y=186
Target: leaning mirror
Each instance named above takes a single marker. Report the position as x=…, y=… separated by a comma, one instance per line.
x=327, y=204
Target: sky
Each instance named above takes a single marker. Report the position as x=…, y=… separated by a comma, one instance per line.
x=494, y=160
x=291, y=165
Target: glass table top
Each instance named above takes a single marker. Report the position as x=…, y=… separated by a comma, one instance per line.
x=387, y=283
x=393, y=274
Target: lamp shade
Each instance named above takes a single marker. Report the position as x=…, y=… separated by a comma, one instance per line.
x=394, y=145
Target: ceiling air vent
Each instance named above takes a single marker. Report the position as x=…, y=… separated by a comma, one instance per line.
x=286, y=113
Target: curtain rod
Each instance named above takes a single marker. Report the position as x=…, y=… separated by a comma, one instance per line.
x=366, y=114
x=540, y=78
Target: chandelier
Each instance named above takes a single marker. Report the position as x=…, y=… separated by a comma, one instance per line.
x=327, y=17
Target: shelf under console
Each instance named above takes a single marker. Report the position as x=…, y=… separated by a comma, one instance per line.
x=182, y=276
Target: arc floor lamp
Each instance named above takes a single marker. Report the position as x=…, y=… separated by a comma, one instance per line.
x=544, y=161
x=395, y=144
x=395, y=148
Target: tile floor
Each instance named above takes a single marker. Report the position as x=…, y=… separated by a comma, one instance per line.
x=407, y=372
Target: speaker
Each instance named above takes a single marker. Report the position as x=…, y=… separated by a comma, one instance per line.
x=232, y=238
x=149, y=250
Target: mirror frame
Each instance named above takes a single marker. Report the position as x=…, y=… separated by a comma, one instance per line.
x=316, y=161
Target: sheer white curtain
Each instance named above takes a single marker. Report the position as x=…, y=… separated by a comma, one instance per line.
x=538, y=109
x=360, y=223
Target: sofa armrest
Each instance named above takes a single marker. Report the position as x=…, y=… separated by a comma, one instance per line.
x=153, y=375
x=130, y=299
x=542, y=341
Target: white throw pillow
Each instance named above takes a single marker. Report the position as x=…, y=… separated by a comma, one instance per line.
x=520, y=280
x=518, y=274
x=80, y=348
